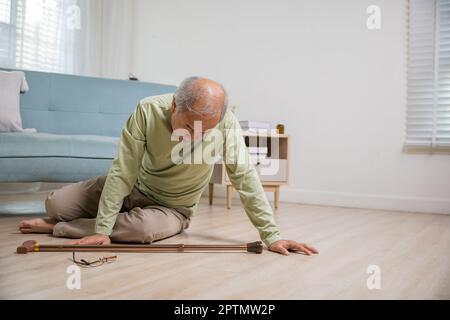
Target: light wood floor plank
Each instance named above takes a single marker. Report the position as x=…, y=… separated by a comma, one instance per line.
x=411, y=249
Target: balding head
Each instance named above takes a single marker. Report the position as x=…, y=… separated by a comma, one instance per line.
x=202, y=96
x=198, y=99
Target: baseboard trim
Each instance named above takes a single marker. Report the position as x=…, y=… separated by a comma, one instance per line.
x=356, y=200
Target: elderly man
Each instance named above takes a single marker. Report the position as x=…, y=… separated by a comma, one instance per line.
x=147, y=196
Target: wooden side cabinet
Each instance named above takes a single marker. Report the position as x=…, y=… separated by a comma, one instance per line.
x=273, y=170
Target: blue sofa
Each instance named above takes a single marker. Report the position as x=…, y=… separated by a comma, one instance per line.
x=78, y=121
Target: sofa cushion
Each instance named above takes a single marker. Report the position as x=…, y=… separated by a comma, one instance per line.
x=39, y=145
x=11, y=85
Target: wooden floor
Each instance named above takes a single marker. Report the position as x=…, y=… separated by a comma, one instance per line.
x=411, y=250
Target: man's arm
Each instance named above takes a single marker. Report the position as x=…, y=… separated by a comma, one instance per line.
x=124, y=171
x=246, y=181
x=121, y=176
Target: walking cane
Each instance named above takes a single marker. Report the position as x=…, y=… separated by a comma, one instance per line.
x=33, y=246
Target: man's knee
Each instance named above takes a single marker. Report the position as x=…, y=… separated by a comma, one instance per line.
x=145, y=226
x=53, y=205
x=75, y=200
x=161, y=226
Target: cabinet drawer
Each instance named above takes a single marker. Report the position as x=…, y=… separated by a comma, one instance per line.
x=271, y=170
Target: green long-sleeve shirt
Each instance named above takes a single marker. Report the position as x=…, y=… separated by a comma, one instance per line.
x=144, y=159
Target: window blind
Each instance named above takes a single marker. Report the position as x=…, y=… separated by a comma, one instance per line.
x=5, y=11
x=39, y=35
x=428, y=88
x=34, y=36
x=7, y=32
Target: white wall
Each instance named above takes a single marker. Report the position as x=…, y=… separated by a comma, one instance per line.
x=313, y=65
x=105, y=38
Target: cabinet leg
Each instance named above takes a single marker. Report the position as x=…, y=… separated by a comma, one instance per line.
x=229, y=194
x=276, y=197
x=211, y=193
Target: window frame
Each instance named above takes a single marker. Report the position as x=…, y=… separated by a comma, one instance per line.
x=433, y=147
x=12, y=28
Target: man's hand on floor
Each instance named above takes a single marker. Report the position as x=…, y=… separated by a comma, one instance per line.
x=94, y=239
x=284, y=246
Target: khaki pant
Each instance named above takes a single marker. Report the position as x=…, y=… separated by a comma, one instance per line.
x=141, y=220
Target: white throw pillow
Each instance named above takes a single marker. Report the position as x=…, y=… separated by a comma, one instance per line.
x=12, y=83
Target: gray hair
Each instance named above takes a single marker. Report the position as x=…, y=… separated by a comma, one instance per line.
x=186, y=97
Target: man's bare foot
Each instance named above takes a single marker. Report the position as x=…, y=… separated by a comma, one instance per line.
x=38, y=225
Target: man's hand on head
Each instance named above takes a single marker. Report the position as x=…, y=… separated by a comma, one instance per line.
x=94, y=239
x=284, y=246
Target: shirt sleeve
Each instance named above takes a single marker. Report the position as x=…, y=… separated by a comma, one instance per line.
x=246, y=181
x=124, y=171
